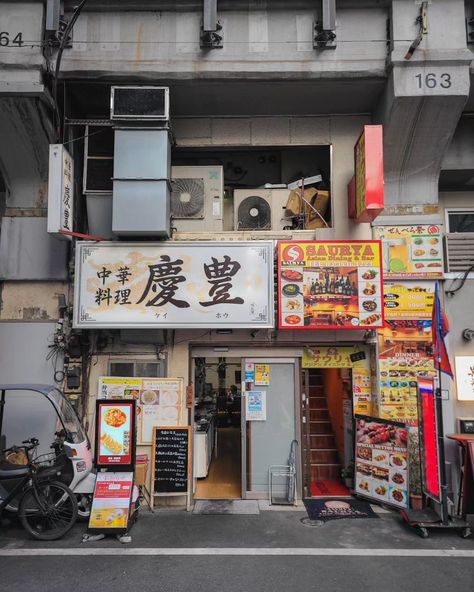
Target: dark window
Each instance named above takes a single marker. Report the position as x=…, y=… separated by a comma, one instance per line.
x=461, y=221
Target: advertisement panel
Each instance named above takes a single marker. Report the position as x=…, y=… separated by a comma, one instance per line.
x=411, y=251
x=381, y=460
x=323, y=356
x=464, y=377
x=111, y=503
x=115, y=433
x=159, y=401
x=405, y=354
x=174, y=285
x=408, y=300
x=369, y=177
x=330, y=285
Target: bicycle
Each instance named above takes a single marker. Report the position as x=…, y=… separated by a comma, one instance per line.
x=46, y=507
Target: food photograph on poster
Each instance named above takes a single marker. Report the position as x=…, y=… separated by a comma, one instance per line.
x=330, y=285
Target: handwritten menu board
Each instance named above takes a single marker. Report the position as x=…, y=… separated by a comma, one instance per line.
x=170, y=472
x=381, y=460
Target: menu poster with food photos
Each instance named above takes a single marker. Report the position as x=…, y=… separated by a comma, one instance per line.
x=381, y=460
x=160, y=401
x=115, y=437
x=411, y=251
x=111, y=503
x=330, y=285
x=405, y=354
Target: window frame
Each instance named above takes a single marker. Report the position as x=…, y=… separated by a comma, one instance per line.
x=456, y=210
x=161, y=364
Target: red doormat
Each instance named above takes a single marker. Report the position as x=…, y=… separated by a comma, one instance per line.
x=329, y=489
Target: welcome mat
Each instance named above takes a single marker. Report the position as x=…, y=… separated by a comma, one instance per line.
x=321, y=488
x=226, y=507
x=336, y=508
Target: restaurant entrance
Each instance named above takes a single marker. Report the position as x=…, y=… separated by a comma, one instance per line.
x=217, y=428
x=246, y=417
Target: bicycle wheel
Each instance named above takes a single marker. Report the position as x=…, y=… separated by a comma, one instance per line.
x=48, y=510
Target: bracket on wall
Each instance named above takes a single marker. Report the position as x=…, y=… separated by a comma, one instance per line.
x=211, y=29
x=325, y=31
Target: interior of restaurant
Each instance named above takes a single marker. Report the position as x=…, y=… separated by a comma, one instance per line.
x=217, y=428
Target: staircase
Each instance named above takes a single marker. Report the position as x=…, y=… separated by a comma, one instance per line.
x=324, y=458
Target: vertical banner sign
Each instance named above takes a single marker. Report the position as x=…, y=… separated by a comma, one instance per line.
x=111, y=504
x=369, y=180
x=330, y=285
x=174, y=285
x=60, y=192
x=115, y=434
x=381, y=460
x=429, y=440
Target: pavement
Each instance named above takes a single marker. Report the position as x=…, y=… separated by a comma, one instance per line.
x=273, y=551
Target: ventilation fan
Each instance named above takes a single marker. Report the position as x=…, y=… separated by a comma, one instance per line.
x=254, y=212
x=197, y=198
x=187, y=198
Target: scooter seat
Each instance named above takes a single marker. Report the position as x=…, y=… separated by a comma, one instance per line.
x=9, y=470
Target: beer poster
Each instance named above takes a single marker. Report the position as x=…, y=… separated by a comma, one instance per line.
x=330, y=285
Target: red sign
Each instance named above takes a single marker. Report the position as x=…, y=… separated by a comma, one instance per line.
x=429, y=449
x=366, y=194
x=115, y=433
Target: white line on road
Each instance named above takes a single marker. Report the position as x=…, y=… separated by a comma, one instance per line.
x=237, y=551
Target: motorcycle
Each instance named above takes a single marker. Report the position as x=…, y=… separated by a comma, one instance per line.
x=21, y=411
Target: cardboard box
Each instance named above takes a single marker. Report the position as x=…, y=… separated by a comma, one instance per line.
x=140, y=474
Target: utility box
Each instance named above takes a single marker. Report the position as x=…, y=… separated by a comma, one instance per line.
x=141, y=182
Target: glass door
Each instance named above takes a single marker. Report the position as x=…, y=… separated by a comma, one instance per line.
x=266, y=439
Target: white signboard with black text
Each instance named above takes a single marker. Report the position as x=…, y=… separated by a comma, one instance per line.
x=60, y=191
x=174, y=284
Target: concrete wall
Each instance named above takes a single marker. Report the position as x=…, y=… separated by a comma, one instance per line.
x=256, y=40
x=23, y=352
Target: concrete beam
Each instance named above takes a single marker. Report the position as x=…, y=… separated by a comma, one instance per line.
x=423, y=100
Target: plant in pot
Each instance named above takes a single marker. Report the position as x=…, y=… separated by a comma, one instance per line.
x=414, y=470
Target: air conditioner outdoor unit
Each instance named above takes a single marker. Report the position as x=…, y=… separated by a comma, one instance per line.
x=139, y=103
x=197, y=198
x=260, y=209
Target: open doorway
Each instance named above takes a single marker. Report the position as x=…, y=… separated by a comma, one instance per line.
x=217, y=428
x=329, y=434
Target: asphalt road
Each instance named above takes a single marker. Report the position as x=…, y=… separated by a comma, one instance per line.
x=237, y=574
x=273, y=551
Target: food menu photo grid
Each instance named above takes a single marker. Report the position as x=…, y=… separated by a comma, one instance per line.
x=411, y=251
x=115, y=433
x=160, y=401
x=330, y=285
x=381, y=460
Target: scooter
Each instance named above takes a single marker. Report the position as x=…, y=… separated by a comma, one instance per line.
x=76, y=462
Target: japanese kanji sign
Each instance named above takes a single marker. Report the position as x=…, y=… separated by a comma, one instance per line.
x=174, y=284
x=411, y=251
x=60, y=191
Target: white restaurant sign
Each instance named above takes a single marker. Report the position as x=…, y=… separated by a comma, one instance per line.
x=174, y=285
x=60, y=191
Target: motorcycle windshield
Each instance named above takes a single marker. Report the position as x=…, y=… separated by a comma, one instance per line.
x=68, y=417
